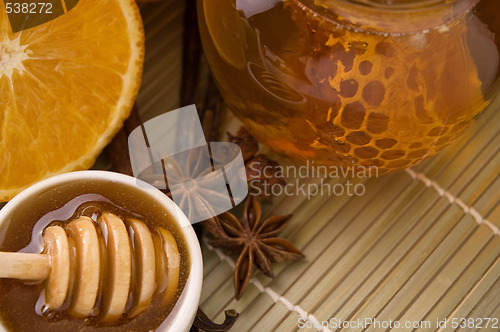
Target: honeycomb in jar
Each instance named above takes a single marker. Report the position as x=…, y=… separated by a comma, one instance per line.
x=387, y=100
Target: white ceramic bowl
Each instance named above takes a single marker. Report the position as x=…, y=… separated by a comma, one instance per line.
x=182, y=315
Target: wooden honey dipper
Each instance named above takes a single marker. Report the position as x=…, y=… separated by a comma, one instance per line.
x=75, y=258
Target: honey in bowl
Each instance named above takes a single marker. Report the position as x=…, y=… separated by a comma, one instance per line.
x=121, y=219
x=354, y=82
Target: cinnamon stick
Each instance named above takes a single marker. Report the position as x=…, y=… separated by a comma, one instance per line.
x=192, y=52
x=211, y=111
x=118, y=148
x=205, y=324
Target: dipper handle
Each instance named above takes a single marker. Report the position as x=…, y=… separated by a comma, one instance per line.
x=32, y=267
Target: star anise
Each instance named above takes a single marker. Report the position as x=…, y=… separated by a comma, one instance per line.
x=188, y=179
x=255, y=240
x=262, y=173
x=248, y=144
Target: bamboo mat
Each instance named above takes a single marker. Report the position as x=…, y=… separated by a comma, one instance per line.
x=419, y=245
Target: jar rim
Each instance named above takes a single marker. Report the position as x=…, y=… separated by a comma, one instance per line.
x=393, y=17
x=399, y=4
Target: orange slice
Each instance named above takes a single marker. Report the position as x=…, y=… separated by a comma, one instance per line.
x=65, y=89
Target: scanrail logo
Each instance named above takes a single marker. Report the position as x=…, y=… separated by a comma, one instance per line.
x=26, y=14
x=204, y=179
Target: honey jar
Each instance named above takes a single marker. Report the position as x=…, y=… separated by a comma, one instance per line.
x=366, y=83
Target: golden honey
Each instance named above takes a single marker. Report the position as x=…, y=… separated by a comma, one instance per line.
x=21, y=303
x=354, y=83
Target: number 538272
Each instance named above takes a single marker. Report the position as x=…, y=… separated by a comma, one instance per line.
x=28, y=8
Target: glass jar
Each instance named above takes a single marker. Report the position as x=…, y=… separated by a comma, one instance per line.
x=383, y=83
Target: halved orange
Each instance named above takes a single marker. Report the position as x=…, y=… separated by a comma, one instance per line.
x=65, y=89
